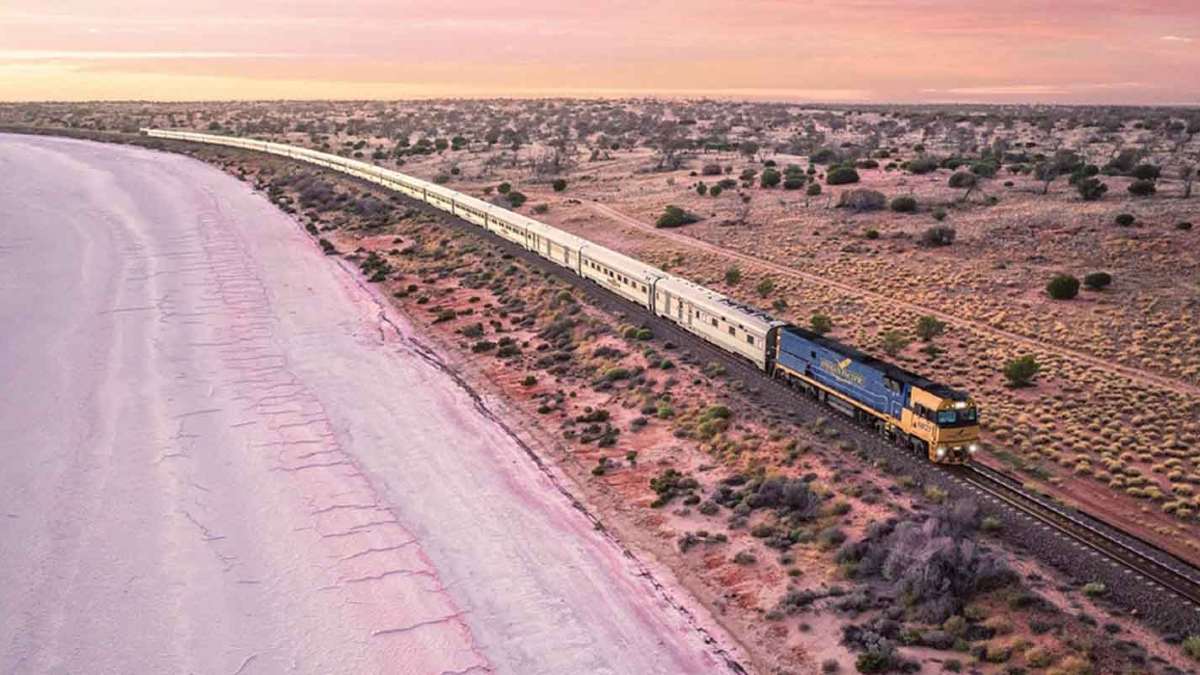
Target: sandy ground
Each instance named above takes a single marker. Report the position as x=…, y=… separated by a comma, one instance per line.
x=220, y=454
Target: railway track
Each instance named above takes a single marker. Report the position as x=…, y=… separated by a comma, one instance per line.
x=1160, y=568
x=1161, y=572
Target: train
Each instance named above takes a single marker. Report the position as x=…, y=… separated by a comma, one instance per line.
x=940, y=422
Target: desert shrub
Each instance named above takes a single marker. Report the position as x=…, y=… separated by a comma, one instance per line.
x=866, y=164
x=939, y=214
x=871, y=234
x=516, y=199
x=671, y=484
x=1191, y=646
x=745, y=558
x=765, y=287
x=504, y=188
x=984, y=169
x=963, y=179
x=793, y=183
x=1091, y=189
x=923, y=165
x=1142, y=188
x=701, y=188
x=934, y=563
x=893, y=342
x=788, y=496
x=559, y=184
x=1097, y=280
x=940, y=235
x=1020, y=371
x=733, y=276
x=1146, y=172
x=929, y=327
x=1184, y=226
x=770, y=178
x=842, y=175
x=1124, y=219
x=715, y=191
x=820, y=324
x=862, y=200
x=541, y=208
x=904, y=204
x=1063, y=287
x=673, y=216
x=711, y=169
x=830, y=666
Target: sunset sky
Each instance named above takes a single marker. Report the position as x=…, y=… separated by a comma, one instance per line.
x=1071, y=51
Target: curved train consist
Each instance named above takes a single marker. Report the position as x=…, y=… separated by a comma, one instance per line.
x=910, y=410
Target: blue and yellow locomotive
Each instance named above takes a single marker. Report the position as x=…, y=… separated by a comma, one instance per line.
x=929, y=417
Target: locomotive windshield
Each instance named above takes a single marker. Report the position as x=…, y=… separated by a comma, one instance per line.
x=952, y=418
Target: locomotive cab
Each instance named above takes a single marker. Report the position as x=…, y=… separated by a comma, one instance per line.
x=945, y=422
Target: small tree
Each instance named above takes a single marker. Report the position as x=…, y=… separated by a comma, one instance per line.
x=1046, y=172
x=893, y=342
x=1063, y=287
x=701, y=188
x=1091, y=189
x=820, y=324
x=928, y=327
x=770, y=178
x=516, y=199
x=560, y=184
x=504, y=188
x=733, y=276
x=765, y=287
x=1097, y=281
x=1020, y=371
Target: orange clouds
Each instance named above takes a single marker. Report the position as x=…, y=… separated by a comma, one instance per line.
x=912, y=50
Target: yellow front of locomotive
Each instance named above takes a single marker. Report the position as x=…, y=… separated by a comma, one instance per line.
x=949, y=425
x=956, y=432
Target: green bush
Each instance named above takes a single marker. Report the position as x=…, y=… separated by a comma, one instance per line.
x=1020, y=371
x=792, y=183
x=1191, y=646
x=842, y=175
x=1091, y=189
x=820, y=324
x=1142, y=188
x=1183, y=226
x=770, y=178
x=1146, y=172
x=733, y=276
x=1063, y=287
x=504, y=188
x=1124, y=219
x=715, y=191
x=904, y=204
x=963, y=179
x=928, y=327
x=701, y=188
x=1097, y=280
x=560, y=184
x=516, y=199
x=922, y=165
x=673, y=216
x=813, y=190
x=765, y=287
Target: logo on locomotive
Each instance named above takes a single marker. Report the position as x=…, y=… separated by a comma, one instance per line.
x=841, y=370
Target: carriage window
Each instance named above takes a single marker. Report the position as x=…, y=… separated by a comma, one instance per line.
x=750, y=339
x=714, y=323
x=732, y=330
